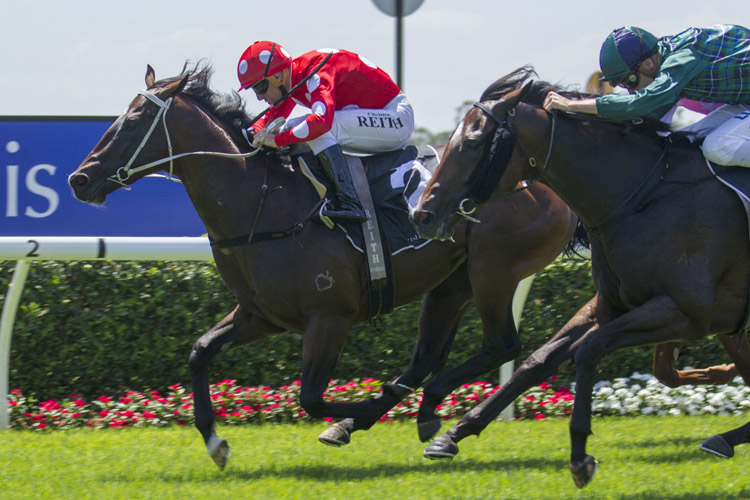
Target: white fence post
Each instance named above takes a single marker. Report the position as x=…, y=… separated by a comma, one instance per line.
x=12, y=299
x=506, y=370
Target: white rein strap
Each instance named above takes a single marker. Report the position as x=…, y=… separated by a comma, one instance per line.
x=124, y=173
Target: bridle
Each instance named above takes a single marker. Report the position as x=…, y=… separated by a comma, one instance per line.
x=488, y=178
x=506, y=124
x=127, y=171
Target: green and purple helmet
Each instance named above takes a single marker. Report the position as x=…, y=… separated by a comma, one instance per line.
x=623, y=50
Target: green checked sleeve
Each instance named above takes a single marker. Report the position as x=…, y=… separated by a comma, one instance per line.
x=655, y=100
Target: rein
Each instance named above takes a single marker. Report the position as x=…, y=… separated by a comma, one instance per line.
x=506, y=124
x=287, y=95
x=617, y=211
x=126, y=172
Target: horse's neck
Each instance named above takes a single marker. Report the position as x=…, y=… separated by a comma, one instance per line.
x=596, y=172
x=227, y=192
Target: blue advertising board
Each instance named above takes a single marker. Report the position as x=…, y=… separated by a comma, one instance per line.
x=37, y=154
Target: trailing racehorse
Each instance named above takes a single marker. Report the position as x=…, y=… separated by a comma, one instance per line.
x=290, y=274
x=669, y=241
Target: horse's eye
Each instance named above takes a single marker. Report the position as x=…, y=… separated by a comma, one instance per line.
x=131, y=124
x=472, y=144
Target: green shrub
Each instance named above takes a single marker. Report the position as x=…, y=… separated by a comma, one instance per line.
x=95, y=328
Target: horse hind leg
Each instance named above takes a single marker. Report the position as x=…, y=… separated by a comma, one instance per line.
x=665, y=356
x=237, y=328
x=722, y=445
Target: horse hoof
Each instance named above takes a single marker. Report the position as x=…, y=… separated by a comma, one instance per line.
x=336, y=435
x=428, y=430
x=583, y=472
x=218, y=449
x=718, y=446
x=442, y=448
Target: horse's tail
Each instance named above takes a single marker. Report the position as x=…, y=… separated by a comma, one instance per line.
x=578, y=242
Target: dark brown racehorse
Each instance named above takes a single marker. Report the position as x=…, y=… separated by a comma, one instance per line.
x=312, y=281
x=669, y=242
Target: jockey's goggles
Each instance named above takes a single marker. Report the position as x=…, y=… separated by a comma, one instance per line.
x=261, y=87
x=629, y=81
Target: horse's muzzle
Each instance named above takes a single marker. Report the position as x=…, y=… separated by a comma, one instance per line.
x=81, y=185
x=424, y=222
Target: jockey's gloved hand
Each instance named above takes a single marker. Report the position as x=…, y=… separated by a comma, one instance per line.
x=265, y=137
x=249, y=134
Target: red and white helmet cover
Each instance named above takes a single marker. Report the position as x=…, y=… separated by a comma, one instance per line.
x=260, y=60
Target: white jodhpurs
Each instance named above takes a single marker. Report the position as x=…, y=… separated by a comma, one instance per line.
x=362, y=131
x=727, y=135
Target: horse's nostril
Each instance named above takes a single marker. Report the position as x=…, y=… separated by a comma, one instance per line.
x=425, y=218
x=78, y=180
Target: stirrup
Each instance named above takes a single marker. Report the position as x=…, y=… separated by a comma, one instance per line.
x=340, y=216
x=327, y=222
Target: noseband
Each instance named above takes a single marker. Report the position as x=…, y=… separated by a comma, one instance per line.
x=503, y=144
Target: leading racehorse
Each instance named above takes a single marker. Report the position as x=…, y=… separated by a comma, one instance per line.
x=290, y=274
x=669, y=241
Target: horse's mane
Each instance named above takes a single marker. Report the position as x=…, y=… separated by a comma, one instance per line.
x=539, y=90
x=227, y=107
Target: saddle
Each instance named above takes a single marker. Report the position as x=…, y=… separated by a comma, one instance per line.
x=391, y=185
x=396, y=181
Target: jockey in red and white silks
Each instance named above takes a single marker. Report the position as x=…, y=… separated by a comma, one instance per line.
x=353, y=104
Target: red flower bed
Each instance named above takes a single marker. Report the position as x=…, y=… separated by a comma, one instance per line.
x=234, y=404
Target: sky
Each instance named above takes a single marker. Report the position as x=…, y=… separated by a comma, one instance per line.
x=83, y=57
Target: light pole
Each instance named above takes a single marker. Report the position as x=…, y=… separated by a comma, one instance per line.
x=398, y=9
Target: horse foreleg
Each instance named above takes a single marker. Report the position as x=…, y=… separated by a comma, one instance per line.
x=323, y=341
x=722, y=445
x=501, y=343
x=536, y=369
x=237, y=328
x=339, y=434
x=665, y=356
x=738, y=349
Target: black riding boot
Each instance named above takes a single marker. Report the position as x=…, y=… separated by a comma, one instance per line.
x=348, y=208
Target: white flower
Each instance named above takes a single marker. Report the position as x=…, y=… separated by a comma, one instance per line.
x=605, y=392
x=644, y=394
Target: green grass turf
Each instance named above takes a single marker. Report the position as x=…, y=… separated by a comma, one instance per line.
x=642, y=457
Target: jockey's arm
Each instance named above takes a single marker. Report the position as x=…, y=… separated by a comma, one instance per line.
x=556, y=101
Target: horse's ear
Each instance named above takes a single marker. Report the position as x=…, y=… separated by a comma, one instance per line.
x=525, y=90
x=512, y=99
x=150, y=76
x=174, y=88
